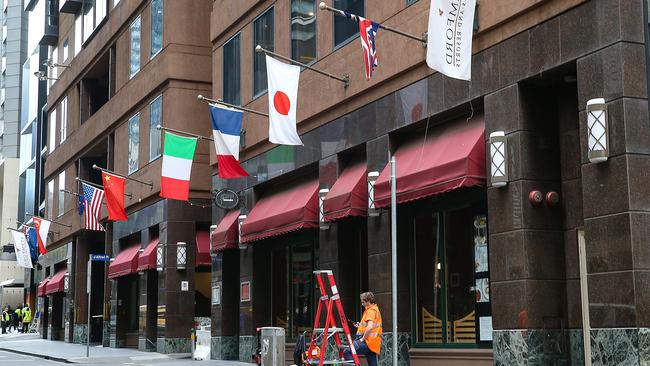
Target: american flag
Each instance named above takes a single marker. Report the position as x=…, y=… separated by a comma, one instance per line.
x=368, y=31
x=93, y=198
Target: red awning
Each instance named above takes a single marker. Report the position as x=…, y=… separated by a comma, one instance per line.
x=349, y=194
x=282, y=212
x=226, y=235
x=451, y=157
x=203, y=258
x=125, y=263
x=56, y=283
x=147, y=259
x=41, y=287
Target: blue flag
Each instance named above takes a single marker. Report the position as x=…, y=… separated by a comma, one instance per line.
x=33, y=243
x=81, y=205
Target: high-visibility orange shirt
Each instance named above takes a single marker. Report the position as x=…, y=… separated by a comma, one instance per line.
x=374, y=339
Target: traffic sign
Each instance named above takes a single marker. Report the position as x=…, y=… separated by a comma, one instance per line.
x=100, y=257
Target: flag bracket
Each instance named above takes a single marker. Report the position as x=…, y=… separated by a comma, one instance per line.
x=123, y=176
x=219, y=101
x=159, y=127
x=423, y=39
x=69, y=192
x=52, y=221
x=345, y=79
x=50, y=232
x=98, y=186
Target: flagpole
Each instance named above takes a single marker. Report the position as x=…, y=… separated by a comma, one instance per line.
x=33, y=227
x=122, y=176
x=219, y=101
x=345, y=79
x=423, y=39
x=159, y=127
x=97, y=186
x=69, y=192
x=52, y=221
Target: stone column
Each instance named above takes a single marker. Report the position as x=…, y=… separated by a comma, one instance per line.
x=78, y=288
x=247, y=332
x=526, y=242
x=110, y=295
x=616, y=205
x=225, y=316
x=147, y=303
x=178, y=316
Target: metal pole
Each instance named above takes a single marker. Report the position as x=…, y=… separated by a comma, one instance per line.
x=122, y=176
x=98, y=186
x=345, y=79
x=159, y=127
x=88, y=288
x=393, y=237
x=323, y=6
x=52, y=221
x=219, y=101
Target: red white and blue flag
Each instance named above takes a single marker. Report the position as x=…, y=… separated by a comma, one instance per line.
x=226, y=130
x=42, y=228
x=368, y=32
x=93, y=198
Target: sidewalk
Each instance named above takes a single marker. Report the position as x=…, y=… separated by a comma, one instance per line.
x=33, y=345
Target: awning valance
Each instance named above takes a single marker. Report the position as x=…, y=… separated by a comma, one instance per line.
x=56, y=283
x=42, y=286
x=125, y=263
x=349, y=194
x=147, y=259
x=451, y=157
x=279, y=213
x=226, y=234
x=203, y=258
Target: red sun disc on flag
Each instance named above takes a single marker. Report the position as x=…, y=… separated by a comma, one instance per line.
x=281, y=103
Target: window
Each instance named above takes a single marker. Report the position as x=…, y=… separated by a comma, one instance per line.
x=94, y=13
x=50, y=199
x=409, y=2
x=263, y=36
x=66, y=51
x=156, y=27
x=344, y=28
x=292, y=287
x=134, y=142
x=155, y=119
x=450, y=259
x=303, y=30
x=135, y=47
x=77, y=35
x=115, y=2
x=61, y=193
x=52, y=138
x=231, y=71
x=64, y=120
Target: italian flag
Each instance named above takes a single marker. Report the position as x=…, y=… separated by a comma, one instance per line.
x=178, y=153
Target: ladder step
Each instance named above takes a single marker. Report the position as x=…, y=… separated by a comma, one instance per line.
x=330, y=330
x=334, y=362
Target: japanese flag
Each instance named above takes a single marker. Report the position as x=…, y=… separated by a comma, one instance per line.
x=283, y=100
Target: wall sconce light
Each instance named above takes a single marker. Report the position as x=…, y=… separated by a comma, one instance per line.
x=181, y=255
x=240, y=221
x=321, y=209
x=160, y=257
x=213, y=253
x=66, y=282
x=597, y=131
x=372, y=179
x=498, y=159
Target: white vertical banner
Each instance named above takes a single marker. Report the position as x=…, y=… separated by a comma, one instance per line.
x=449, y=44
x=22, y=249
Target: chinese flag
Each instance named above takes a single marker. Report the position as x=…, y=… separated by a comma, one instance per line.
x=114, y=190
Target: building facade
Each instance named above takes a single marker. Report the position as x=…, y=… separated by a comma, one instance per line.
x=119, y=69
x=488, y=273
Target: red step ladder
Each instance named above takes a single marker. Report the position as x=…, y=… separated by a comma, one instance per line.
x=328, y=302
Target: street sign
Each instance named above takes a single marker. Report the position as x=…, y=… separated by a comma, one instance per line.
x=100, y=257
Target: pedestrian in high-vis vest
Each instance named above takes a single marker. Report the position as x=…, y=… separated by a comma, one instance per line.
x=5, y=319
x=369, y=331
x=16, y=318
x=27, y=318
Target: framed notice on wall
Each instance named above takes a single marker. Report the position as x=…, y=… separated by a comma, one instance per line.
x=216, y=294
x=245, y=291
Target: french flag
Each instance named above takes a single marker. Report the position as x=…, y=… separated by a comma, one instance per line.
x=226, y=129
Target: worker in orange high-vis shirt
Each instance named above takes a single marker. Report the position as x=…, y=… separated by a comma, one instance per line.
x=369, y=330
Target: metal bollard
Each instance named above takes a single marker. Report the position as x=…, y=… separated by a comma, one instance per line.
x=193, y=340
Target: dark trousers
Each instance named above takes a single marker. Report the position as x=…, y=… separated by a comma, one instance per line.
x=4, y=327
x=25, y=327
x=362, y=349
